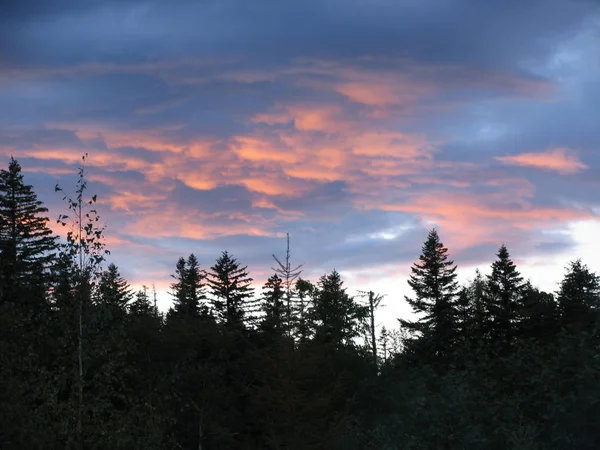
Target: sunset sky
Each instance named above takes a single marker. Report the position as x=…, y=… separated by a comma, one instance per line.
x=353, y=125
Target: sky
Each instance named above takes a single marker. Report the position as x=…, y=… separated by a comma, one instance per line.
x=355, y=126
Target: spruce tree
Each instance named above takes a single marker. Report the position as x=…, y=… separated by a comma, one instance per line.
x=230, y=286
x=273, y=322
x=504, y=291
x=188, y=288
x=27, y=245
x=113, y=289
x=433, y=280
x=338, y=317
x=579, y=297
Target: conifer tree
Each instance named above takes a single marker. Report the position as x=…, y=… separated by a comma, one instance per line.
x=188, y=288
x=537, y=313
x=338, y=317
x=472, y=319
x=27, y=245
x=113, y=289
x=306, y=292
x=229, y=284
x=141, y=304
x=504, y=290
x=433, y=280
x=579, y=296
x=274, y=308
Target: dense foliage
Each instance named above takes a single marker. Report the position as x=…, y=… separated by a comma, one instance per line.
x=86, y=363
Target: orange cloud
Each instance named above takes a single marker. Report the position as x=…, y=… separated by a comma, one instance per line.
x=252, y=148
x=561, y=160
x=306, y=117
x=469, y=219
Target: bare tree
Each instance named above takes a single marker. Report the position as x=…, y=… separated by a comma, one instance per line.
x=289, y=276
x=374, y=302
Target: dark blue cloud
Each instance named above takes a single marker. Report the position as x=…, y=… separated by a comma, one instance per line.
x=479, y=80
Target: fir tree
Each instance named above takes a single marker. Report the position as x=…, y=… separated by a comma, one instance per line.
x=433, y=279
x=229, y=284
x=188, y=289
x=579, y=296
x=27, y=245
x=503, y=292
x=113, y=289
x=337, y=316
x=274, y=308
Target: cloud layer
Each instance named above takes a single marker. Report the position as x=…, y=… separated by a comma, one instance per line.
x=354, y=126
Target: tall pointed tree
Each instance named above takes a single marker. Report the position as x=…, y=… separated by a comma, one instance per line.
x=273, y=322
x=433, y=280
x=579, y=296
x=27, y=245
x=230, y=286
x=338, y=317
x=113, y=289
x=188, y=289
x=504, y=291
x=289, y=276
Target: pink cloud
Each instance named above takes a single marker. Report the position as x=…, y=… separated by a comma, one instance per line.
x=561, y=160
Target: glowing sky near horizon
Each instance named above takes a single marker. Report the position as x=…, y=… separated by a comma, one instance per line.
x=355, y=126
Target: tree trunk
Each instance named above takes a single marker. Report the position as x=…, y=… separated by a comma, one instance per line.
x=80, y=374
x=372, y=330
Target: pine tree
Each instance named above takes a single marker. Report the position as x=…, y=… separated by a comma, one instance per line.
x=579, y=296
x=338, y=317
x=229, y=284
x=188, y=289
x=433, y=279
x=503, y=292
x=274, y=308
x=27, y=245
x=113, y=289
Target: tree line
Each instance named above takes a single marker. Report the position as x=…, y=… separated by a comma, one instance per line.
x=87, y=363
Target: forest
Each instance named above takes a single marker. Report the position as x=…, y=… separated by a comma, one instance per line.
x=87, y=363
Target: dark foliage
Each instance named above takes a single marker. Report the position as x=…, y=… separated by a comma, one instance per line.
x=85, y=363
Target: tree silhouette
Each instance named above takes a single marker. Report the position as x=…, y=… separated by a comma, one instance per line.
x=433, y=280
x=27, y=245
x=230, y=286
x=504, y=291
